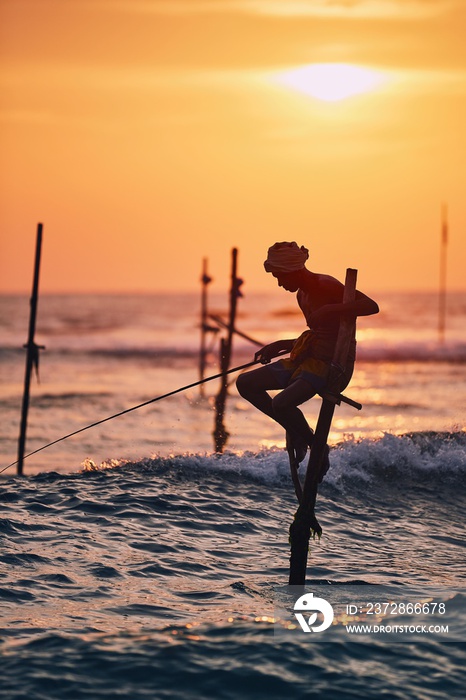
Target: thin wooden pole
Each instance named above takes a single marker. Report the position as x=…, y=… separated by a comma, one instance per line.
x=305, y=520
x=443, y=276
x=220, y=433
x=32, y=357
x=205, y=281
x=220, y=322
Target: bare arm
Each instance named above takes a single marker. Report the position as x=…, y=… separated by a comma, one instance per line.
x=361, y=306
x=268, y=352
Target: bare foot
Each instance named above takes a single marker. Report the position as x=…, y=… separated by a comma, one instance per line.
x=297, y=447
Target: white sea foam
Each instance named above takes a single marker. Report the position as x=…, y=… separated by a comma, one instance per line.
x=426, y=458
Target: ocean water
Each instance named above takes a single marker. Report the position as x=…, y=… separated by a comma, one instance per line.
x=136, y=563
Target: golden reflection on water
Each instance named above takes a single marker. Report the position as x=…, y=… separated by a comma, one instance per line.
x=396, y=397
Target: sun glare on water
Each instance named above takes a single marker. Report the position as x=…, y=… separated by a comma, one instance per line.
x=332, y=82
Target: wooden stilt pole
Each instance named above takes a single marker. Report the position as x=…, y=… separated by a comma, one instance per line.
x=220, y=433
x=205, y=281
x=221, y=323
x=32, y=357
x=305, y=520
x=443, y=276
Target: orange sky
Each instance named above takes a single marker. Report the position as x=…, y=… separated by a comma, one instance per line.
x=147, y=134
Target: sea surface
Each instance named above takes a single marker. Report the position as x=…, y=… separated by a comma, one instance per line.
x=137, y=563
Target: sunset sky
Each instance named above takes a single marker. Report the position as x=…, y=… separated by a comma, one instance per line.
x=147, y=134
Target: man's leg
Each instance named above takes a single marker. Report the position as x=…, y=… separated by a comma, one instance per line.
x=253, y=386
x=286, y=412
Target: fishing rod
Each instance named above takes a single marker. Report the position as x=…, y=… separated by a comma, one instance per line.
x=140, y=405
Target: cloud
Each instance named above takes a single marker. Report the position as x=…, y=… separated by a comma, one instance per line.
x=349, y=9
x=343, y=9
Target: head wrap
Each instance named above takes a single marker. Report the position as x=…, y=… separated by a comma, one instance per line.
x=286, y=257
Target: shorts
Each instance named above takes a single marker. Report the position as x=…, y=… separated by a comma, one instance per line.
x=286, y=372
x=311, y=370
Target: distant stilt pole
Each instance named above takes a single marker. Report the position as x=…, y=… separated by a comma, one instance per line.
x=220, y=433
x=443, y=276
x=32, y=357
x=205, y=281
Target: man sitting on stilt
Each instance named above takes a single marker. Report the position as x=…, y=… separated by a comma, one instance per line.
x=304, y=373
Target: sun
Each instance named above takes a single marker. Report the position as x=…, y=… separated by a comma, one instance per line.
x=332, y=82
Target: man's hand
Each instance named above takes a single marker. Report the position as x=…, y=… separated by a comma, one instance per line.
x=268, y=352
x=264, y=355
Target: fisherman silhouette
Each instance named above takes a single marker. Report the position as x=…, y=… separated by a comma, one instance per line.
x=305, y=372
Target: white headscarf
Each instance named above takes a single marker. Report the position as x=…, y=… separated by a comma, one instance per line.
x=286, y=257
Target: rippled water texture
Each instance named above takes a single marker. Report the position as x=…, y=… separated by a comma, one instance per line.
x=163, y=576
x=158, y=571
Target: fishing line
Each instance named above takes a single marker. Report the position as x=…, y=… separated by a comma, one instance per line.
x=134, y=408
